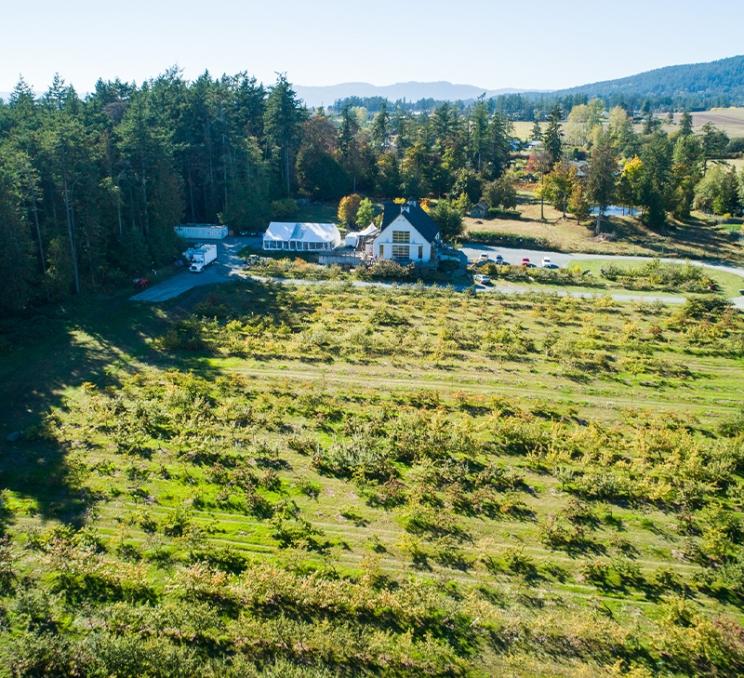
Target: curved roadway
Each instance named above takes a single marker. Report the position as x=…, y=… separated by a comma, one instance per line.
x=229, y=266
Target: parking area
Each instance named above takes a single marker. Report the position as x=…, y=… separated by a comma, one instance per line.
x=227, y=267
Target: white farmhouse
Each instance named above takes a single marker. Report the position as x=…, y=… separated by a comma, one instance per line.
x=408, y=234
x=301, y=237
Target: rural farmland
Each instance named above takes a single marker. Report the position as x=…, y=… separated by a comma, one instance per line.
x=258, y=441
x=405, y=340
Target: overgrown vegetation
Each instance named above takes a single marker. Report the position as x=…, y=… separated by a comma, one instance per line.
x=453, y=497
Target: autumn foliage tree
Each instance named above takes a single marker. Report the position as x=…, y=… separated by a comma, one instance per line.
x=558, y=184
x=348, y=208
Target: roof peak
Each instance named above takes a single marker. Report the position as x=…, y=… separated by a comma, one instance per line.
x=414, y=214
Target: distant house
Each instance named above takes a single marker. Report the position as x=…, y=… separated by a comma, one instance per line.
x=301, y=237
x=581, y=167
x=407, y=234
x=479, y=211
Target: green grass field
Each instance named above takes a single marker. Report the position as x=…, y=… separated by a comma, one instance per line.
x=263, y=479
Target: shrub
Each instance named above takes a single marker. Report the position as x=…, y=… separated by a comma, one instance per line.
x=704, y=309
x=7, y=574
x=355, y=458
x=310, y=488
x=385, y=269
x=285, y=208
x=185, y=335
x=658, y=276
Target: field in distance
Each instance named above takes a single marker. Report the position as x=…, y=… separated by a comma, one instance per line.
x=728, y=120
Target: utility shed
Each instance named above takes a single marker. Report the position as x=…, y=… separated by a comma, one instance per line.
x=301, y=236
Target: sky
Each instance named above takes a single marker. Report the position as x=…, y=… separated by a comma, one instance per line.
x=532, y=44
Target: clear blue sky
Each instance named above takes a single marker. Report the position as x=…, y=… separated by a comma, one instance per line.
x=541, y=44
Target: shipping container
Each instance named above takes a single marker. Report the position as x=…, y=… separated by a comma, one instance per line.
x=201, y=232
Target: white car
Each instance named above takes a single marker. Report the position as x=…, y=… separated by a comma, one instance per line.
x=482, y=279
x=547, y=262
x=483, y=258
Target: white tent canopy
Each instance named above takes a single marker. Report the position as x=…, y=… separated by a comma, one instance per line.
x=369, y=231
x=353, y=238
x=301, y=236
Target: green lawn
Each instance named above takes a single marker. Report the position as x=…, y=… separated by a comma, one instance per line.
x=326, y=480
x=729, y=283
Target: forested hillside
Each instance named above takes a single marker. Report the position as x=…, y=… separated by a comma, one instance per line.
x=716, y=83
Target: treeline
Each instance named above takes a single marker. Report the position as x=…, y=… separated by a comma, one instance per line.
x=537, y=106
x=90, y=189
x=515, y=106
x=652, y=171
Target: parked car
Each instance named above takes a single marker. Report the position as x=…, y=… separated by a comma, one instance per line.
x=500, y=261
x=547, y=262
x=482, y=279
x=141, y=283
x=527, y=263
x=483, y=258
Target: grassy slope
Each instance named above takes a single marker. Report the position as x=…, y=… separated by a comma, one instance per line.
x=630, y=236
x=105, y=341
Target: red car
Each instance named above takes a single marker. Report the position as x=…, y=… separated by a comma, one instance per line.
x=526, y=263
x=141, y=283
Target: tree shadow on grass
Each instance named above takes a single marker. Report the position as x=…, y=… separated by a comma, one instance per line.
x=93, y=339
x=85, y=341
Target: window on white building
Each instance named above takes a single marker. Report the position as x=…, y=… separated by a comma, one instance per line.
x=401, y=252
x=401, y=237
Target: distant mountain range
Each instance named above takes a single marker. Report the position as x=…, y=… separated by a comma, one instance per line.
x=700, y=83
x=319, y=95
x=713, y=83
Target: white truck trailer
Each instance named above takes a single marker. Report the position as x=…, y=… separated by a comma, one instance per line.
x=200, y=257
x=201, y=232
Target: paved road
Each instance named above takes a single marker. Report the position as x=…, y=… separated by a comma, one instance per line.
x=473, y=251
x=496, y=287
x=226, y=267
x=229, y=267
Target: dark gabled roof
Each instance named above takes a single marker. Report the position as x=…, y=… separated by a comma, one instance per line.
x=415, y=216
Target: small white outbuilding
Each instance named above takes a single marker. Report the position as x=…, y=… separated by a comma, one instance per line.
x=301, y=236
x=358, y=239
